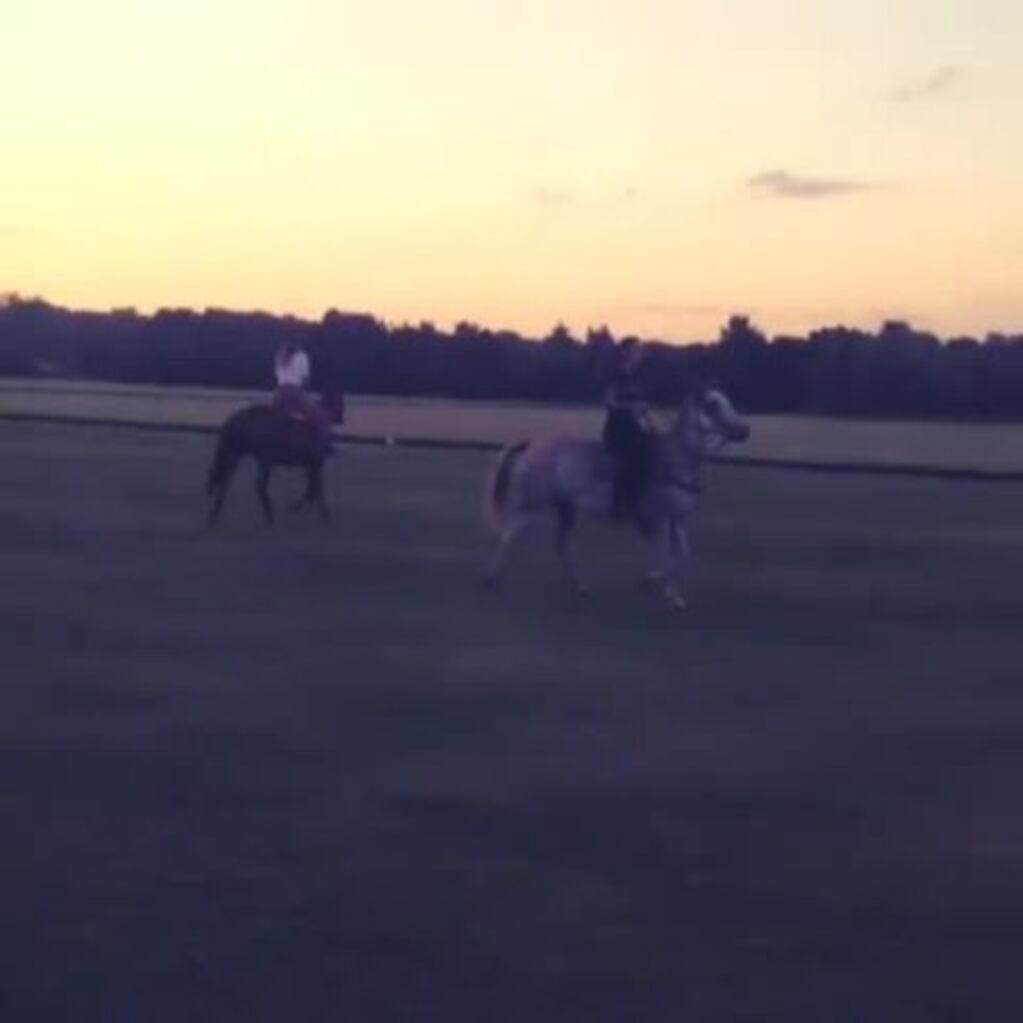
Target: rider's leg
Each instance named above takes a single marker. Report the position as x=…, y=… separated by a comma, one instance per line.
x=322, y=420
x=617, y=444
x=642, y=468
x=309, y=405
x=633, y=469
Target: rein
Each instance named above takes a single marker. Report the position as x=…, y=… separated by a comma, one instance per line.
x=691, y=483
x=711, y=441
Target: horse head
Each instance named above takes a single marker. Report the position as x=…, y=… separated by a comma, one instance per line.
x=706, y=421
x=721, y=418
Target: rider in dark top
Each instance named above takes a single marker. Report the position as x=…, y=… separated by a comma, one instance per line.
x=627, y=436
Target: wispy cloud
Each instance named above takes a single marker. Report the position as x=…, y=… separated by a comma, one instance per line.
x=783, y=185
x=936, y=84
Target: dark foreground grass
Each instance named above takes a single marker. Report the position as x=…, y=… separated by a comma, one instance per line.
x=310, y=775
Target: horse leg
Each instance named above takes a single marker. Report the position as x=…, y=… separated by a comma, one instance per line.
x=317, y=492
x=676, y=557
x=565, y=519
x=220, y=484
x=681, y=555
x=664, y=574
x=263, y=492
x=308, y=495
x=495, y=570
x=218, y=497
x=650, y=529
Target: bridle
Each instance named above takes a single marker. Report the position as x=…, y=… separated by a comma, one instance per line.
x=711, y=441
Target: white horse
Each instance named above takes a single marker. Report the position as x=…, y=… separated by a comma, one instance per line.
x=572, y=477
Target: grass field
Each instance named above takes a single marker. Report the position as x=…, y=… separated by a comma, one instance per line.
x=997, y=447
x=316, y=775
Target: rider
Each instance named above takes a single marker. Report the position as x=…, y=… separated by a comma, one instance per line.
x=627, y=433
x=291, y=369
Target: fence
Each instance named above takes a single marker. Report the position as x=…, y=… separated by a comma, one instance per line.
x=447, y=444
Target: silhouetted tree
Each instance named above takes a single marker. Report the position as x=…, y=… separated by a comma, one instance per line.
x=899, y=371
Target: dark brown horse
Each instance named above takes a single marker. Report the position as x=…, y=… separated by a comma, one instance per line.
x=273, y=436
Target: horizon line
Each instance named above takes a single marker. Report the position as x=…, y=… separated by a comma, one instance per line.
x=13, y=297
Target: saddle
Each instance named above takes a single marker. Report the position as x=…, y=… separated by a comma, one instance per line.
x=290, y=411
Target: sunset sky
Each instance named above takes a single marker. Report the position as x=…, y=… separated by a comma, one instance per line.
x=650, y=164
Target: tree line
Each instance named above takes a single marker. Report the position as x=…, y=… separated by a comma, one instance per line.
x=896, y=372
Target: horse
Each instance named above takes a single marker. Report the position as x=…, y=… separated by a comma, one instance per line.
x=569, y=477
x=274, y=436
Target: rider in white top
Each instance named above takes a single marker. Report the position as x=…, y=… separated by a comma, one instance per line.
x=291, y=368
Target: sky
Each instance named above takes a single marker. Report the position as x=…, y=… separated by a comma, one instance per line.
x=652, y=165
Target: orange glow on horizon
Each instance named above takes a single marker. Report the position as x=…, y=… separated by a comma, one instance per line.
x=654, y=165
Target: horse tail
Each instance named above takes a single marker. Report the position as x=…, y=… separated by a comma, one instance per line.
x=225, y=458
x=495, y=496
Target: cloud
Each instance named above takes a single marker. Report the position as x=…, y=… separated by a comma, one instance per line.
x=782, y=185
x=934, y=85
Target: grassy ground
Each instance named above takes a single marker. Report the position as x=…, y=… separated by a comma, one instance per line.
x=316, y=775
x=949, y=445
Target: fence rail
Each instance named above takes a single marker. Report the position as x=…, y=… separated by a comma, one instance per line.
x=448, y=444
